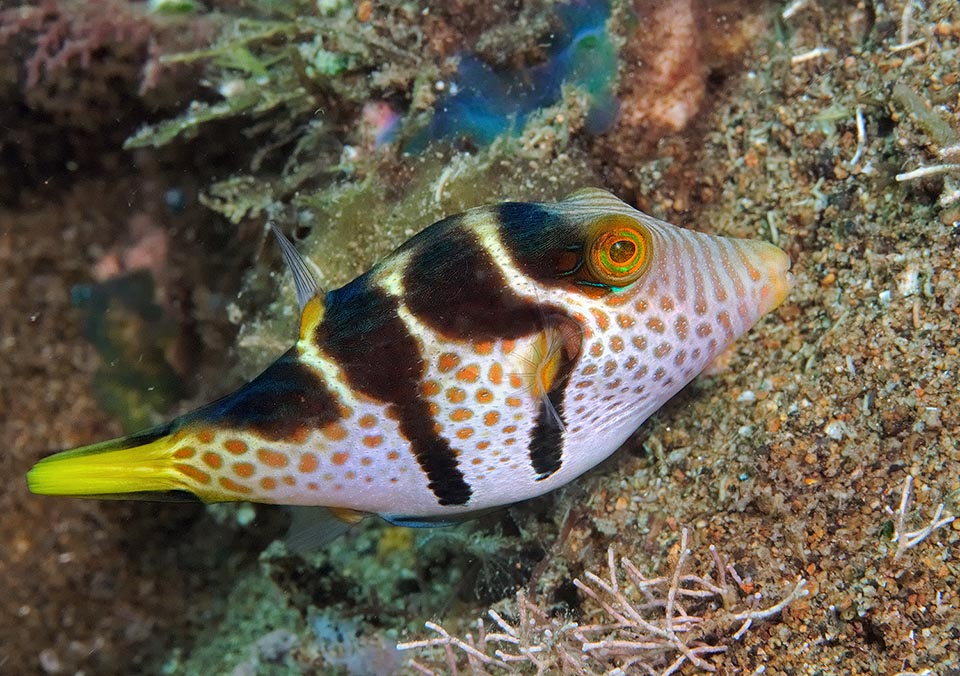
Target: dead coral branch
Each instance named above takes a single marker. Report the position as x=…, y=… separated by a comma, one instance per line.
x=909, y=539
x=645, y=625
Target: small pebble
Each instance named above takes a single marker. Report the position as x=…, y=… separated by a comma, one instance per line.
x=834, y=430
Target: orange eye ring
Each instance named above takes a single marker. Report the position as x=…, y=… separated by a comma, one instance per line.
x=619, y=251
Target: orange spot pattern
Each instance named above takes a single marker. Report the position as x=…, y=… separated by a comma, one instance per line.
x=723, y=319
x=339, y=458
x=373, y=440
x=469, y=374
x=244, y=469
x=272, y=458
x=367, y=420
x=232, y=485
x=455, y=395
x=212, y=460
x=602, y=320
x=484, y=348
x=491, y=418
x=184, y=453
x=335, y=432
x=189, y=470
x=656, y=325
x=308, y=463
x=205, y=436
x=235, y=446
x=447, y=362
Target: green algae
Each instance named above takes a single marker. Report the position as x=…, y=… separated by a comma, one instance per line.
x=254, y=609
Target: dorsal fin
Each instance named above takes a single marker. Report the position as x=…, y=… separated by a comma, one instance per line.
x=593, y=200
x=304, y=280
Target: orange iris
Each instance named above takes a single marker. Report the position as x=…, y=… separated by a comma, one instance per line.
x=619, y=252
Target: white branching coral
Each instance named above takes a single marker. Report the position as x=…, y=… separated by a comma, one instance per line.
x=908, y=539
x=640, y=625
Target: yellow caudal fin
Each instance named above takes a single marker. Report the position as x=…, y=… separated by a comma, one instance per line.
x=139, y=463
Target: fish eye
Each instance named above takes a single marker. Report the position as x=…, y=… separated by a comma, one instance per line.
x=618, y=251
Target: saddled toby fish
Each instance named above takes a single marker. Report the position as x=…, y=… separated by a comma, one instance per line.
x=493, y=357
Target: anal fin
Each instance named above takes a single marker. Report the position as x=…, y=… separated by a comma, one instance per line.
x=314, y=527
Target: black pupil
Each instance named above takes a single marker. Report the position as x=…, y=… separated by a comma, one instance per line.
x=622, y=251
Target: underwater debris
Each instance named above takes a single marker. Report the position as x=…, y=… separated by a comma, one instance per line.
x=340, y=643
x=654, y=624
x=480, y=103
x=944, y=138
x=909, y=539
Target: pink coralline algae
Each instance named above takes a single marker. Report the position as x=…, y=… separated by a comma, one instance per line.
x=65, y=33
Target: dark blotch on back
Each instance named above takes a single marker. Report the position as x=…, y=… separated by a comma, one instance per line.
x=538, y=239
x=452, y=285
x=362, y=332
x=276, y=403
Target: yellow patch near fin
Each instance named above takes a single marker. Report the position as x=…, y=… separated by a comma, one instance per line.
x=311, y=316
x=348, y=516
x=549, y=358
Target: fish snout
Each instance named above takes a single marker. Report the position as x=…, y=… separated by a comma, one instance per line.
x=776, y=280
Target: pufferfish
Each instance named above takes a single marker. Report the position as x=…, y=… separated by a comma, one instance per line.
x=495, y=356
